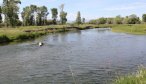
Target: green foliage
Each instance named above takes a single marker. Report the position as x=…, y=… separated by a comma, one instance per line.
x=54, y=14
x=92, y=22
x=83, y=20
x=144, y=17
x=78, y=19
x=63, y=15
x=33, y=9
x=28, y=15
x=42, y=13
x=118, y=20
x=4, y=38
x=49, y=22
x=126, y=19
x=133, y=19
x=101, y=21
x=63, y=18
x=110, y=20
x=10, y=9
x=0, y=15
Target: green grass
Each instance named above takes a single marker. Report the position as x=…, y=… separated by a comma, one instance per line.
x=18, y=34
x=138, y=78
x=127, y=28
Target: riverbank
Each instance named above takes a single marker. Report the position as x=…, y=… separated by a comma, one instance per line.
x=138, y=78
x=31, y=32
x=138, y=29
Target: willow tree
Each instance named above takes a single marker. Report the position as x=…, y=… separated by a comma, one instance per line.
x=10, y=10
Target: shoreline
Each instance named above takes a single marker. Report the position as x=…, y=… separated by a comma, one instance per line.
x=33, y=33
x=8, y=35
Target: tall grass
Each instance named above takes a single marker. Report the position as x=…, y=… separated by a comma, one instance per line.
x=138, y=78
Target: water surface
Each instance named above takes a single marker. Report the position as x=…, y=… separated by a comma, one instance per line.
x=94, y=56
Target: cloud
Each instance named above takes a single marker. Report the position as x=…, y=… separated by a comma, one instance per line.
x=132, y=6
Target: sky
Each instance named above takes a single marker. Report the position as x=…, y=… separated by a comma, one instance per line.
x=92, y=9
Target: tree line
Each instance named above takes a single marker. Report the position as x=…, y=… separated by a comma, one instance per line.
x=31, y=15
x=131, y=19
x=34, y=15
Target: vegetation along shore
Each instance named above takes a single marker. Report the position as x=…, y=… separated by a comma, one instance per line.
x=138, y=78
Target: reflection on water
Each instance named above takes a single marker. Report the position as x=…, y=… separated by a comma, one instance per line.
x=96, y=56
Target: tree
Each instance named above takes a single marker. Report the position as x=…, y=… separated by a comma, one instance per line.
x=101, y=20
x=126, y=19
x=63, y=18
x=118, y=20
x=63, y=15
x=42, y=13
x=83, y=20
x=144, y=17
x=78, y=19
x=29, y=15
x=110, y=20
x=54, y=14
x=26, y=16
x=93, y=21
x=133, y=19
x=0, y=15
x=33, y=9
x=61, y=7
x=10, y=10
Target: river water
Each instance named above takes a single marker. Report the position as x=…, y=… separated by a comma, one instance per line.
x=94, y=56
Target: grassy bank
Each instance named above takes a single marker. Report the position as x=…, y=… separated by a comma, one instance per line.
x=138, y=78
x=31, y=32
x=127, y=28
x=28, y=32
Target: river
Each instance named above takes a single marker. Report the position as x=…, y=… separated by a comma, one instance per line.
x=94, y=56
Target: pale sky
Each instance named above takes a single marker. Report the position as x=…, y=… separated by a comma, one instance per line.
x=92, y=9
